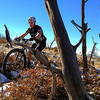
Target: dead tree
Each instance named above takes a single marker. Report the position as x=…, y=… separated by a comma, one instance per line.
x=71, y=73
x=83, y=29
x=93, y=50
x=7, y=35
x=84, y=33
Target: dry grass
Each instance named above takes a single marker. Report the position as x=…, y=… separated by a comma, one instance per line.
x=97, y=64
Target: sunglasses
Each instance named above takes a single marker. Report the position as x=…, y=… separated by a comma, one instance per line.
x=31, y=22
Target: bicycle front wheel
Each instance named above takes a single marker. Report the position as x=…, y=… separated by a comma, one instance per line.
x=15, y=60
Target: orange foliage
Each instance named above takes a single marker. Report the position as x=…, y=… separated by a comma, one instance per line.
x=37, y=84
x=3, y=41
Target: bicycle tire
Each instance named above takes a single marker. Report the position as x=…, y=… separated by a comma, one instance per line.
x=5, y=70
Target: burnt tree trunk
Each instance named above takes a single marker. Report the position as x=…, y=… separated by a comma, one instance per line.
x=84, y=33
x=70, y=68
x=83, y=29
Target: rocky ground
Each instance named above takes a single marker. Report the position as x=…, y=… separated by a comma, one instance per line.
x=37, y=83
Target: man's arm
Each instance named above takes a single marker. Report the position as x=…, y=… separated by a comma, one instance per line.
x=23, y=35
x=39, y=34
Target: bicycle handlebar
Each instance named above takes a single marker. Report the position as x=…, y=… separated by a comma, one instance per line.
x=23, y=45
x=24, y=40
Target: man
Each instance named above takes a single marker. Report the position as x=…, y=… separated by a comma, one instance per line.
x=36, y=34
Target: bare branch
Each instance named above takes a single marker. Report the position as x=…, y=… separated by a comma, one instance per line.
x=88, y=29
x=52, y=43
x=93, y=50
x=8, y=35
x=76, y=25
x=86, y=1
x=77, y=45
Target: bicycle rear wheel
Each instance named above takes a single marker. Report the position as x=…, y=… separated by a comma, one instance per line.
x=15, y=60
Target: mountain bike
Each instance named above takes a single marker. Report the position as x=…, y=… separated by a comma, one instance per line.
x=16, y=59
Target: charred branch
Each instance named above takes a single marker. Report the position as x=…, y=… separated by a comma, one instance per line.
x=93, y=49
x=76, y=25
x=84, y=33
x=52, y=43
x=77, y=45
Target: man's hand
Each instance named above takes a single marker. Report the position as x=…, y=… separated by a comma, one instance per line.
x=31, y=39
x=17, y=39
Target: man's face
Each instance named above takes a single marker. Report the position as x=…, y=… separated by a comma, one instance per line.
x=32, y=24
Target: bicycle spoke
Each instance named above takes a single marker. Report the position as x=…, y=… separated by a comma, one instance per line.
x=15, y=61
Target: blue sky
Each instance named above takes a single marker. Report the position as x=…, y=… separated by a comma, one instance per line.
x=15, y=13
